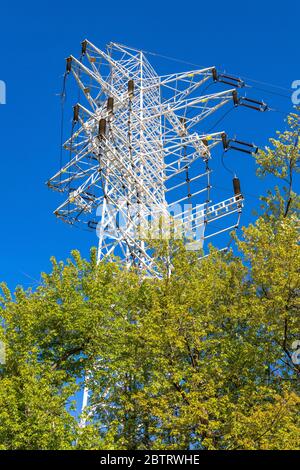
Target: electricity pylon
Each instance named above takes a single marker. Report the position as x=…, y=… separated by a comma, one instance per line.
x=137, y=149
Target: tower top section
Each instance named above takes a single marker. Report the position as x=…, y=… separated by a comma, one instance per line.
x=138, y=151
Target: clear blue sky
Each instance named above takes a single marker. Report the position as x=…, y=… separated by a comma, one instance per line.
x=254, y=39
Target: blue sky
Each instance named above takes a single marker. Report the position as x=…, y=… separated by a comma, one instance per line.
x=254, y=39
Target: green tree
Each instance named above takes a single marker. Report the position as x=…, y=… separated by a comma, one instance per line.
x=200, y=359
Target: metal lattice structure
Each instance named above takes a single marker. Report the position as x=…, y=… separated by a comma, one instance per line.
x=137, y=148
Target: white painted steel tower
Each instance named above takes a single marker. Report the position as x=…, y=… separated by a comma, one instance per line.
x=138, y=148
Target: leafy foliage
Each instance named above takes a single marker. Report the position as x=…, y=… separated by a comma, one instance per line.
x=201, y=359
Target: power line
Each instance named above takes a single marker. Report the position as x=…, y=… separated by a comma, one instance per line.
x=174, y=59
x=221, y=119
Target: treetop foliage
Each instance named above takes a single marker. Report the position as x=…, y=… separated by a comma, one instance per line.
x=201, y=359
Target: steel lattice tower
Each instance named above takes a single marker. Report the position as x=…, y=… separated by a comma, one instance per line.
x=137, y=152
x=137, y=148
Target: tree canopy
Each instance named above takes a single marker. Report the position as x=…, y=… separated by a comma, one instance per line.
x=201, y=359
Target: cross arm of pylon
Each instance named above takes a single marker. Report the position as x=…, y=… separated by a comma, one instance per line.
x=200, y=102
x=189, y=81
x=78, y=167
x=76, y=194
x=214, y=212
x=87, y=121
x=209, y=140
x=116, y=65
x=77, y=69
x=62, y=180
x=191, y=74
x=176, y=161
